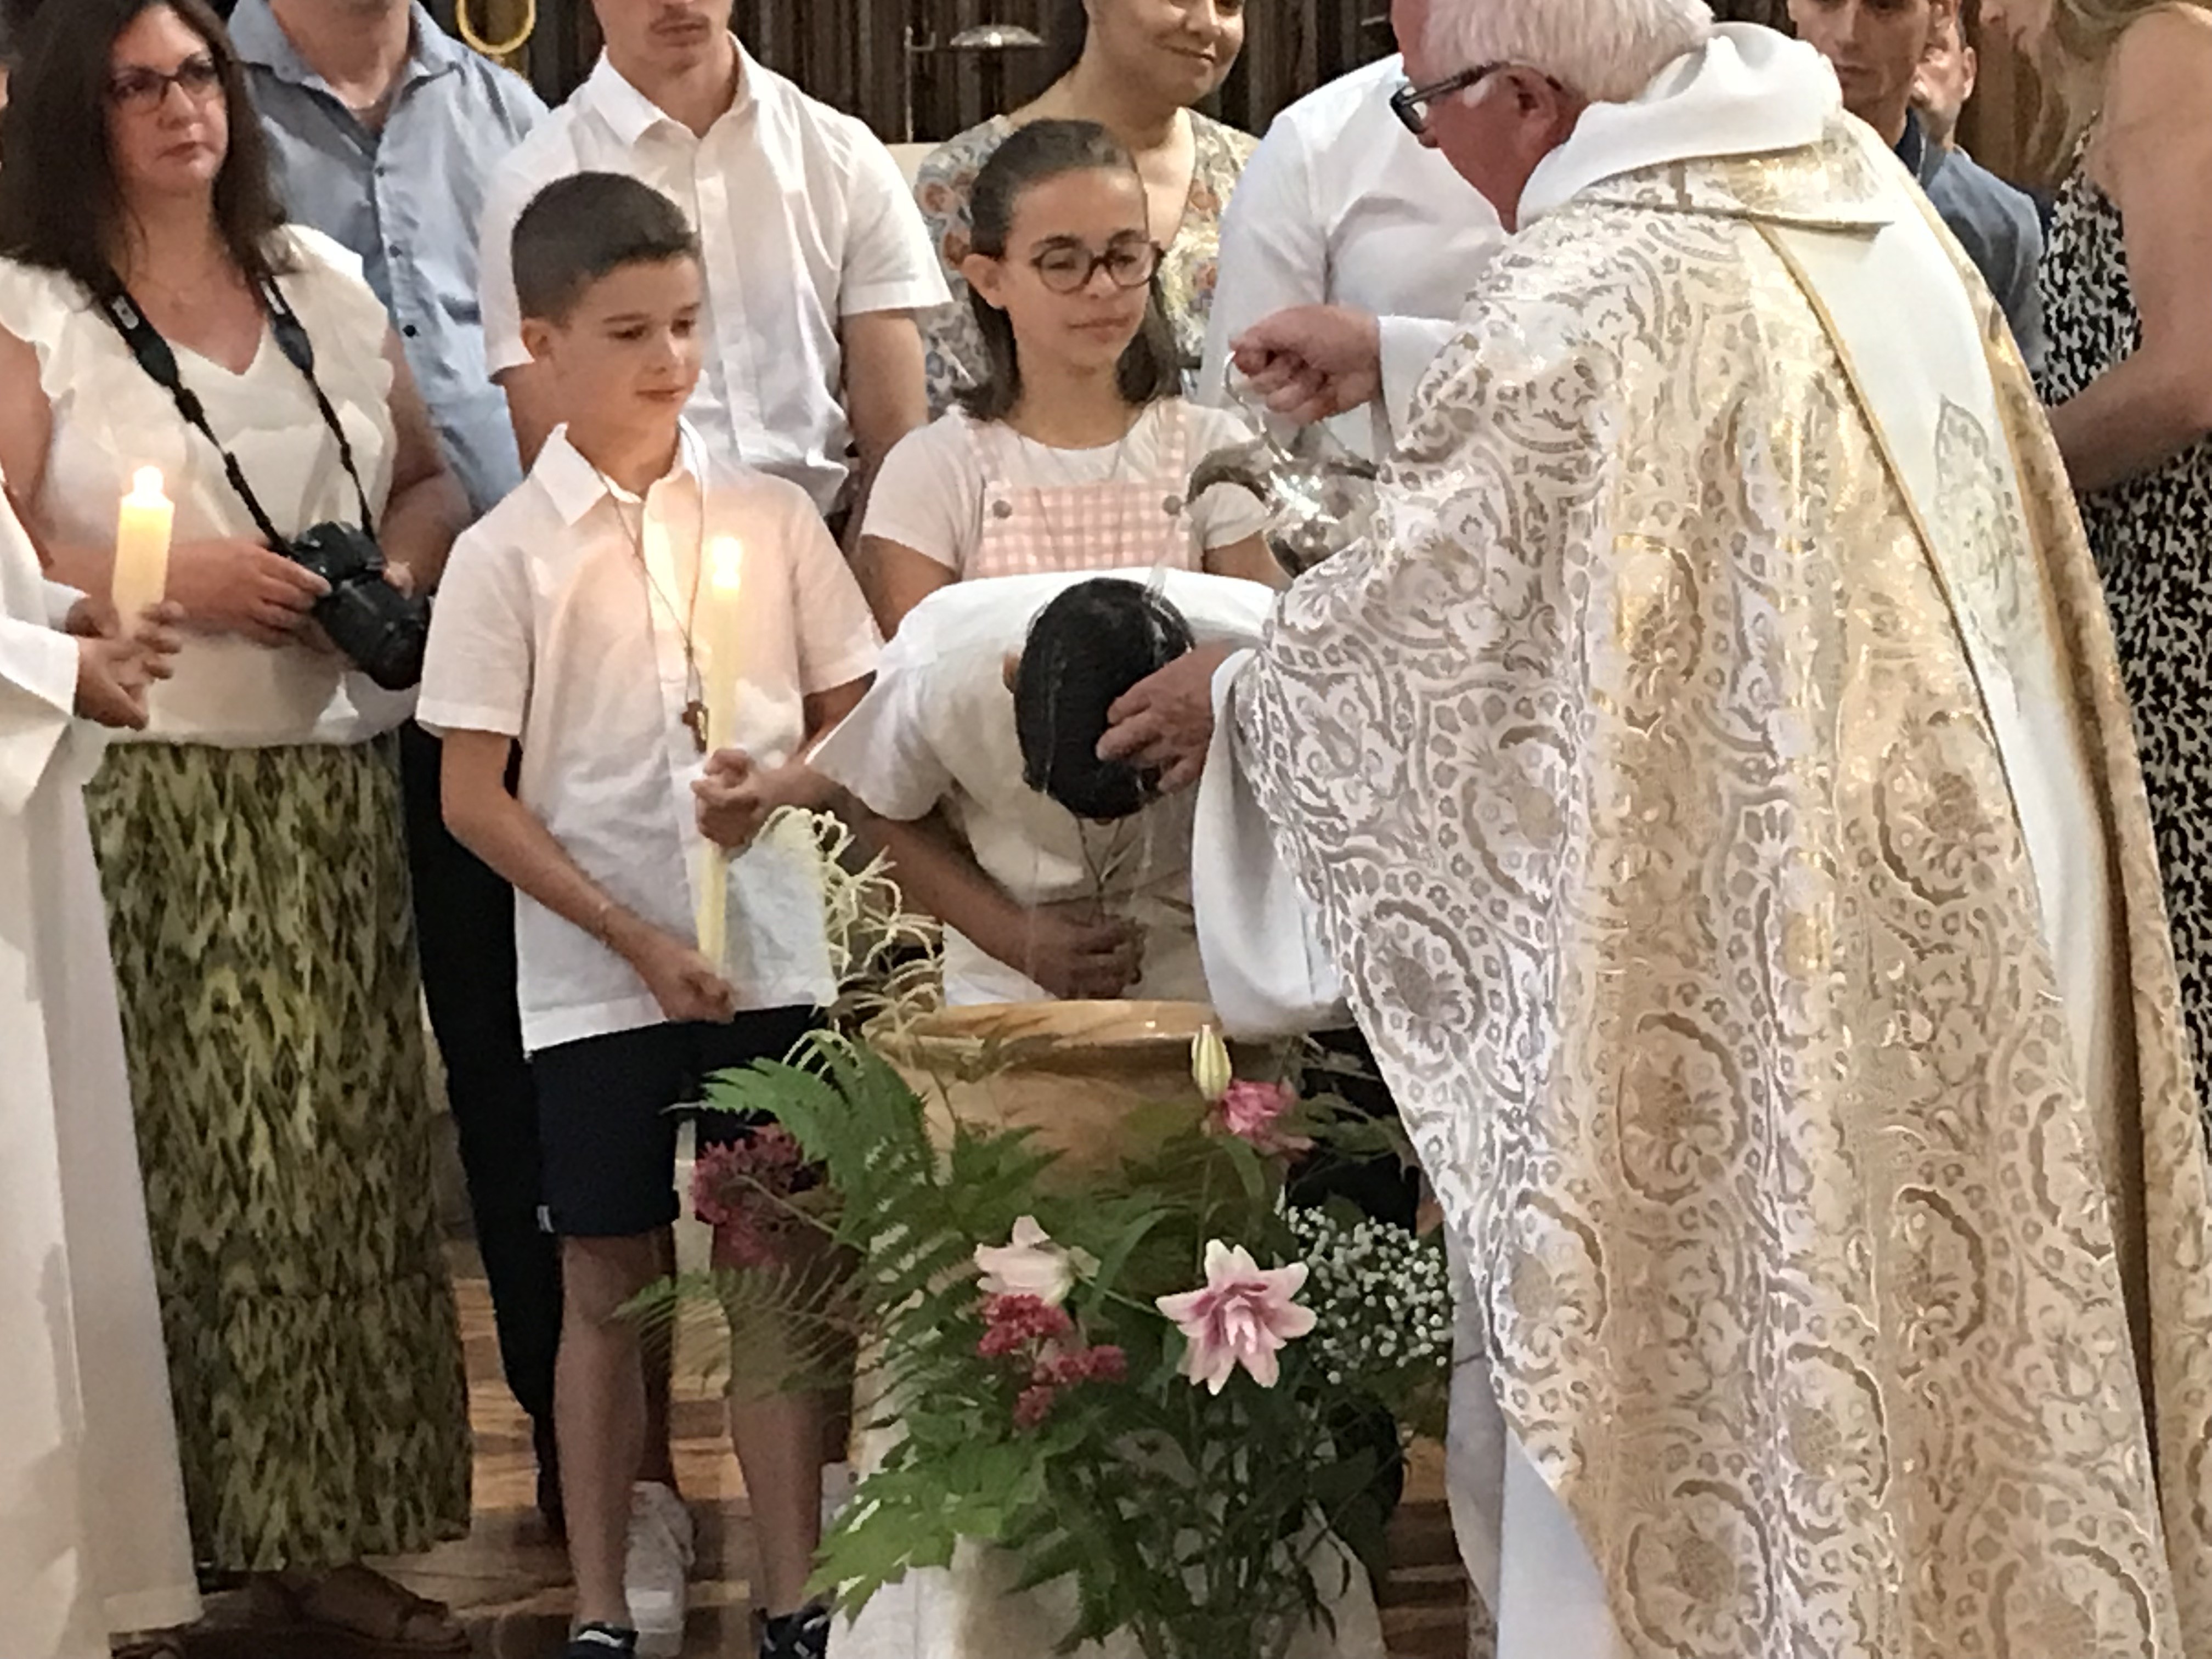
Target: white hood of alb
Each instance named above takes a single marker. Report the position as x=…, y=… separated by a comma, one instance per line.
x=1747, y=91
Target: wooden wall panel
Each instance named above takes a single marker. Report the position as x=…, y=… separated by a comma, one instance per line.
x=888, y=61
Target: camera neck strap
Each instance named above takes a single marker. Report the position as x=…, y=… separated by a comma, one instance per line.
x=158, y=359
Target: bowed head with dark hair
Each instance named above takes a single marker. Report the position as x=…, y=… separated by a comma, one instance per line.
x=1086, y=650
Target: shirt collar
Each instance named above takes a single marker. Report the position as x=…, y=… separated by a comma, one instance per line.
x=261, y=41
x=631, y=114
x=575, y=486
x=1912, y=148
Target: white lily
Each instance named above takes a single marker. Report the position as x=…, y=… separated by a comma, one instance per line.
x=1030, y=1264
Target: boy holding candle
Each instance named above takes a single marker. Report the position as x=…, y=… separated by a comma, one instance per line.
x=577, y=618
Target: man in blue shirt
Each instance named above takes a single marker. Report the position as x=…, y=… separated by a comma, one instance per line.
x=384, y=132
x=1875, y=47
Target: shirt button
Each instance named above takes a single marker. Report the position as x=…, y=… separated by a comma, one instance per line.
x=409, y=329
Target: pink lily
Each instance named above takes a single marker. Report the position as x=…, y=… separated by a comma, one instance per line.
x=1243, y=1316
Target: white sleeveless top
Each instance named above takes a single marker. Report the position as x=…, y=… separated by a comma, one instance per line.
x=110, y=418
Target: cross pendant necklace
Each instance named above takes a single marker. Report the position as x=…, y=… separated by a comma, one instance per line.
x=694, y=704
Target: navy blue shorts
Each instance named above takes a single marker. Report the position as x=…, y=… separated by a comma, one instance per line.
x=607, y=1116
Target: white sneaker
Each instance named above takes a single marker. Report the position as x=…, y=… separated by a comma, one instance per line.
x=656, y=1575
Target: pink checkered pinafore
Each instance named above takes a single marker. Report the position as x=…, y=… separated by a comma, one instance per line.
x=1119, y=524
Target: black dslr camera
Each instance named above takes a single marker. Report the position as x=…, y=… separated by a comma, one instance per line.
x=382, y=630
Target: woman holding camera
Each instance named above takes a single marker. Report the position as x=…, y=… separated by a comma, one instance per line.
x=155, y=311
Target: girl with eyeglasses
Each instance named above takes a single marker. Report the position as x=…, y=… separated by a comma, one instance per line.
x=1139, y=68
x=1075, y=451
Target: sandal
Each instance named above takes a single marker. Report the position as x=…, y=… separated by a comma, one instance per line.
x=355, y=1614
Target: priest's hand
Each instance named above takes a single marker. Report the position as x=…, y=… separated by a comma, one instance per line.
x=1079, y=953
x=1312, y=361
x=1166, y=722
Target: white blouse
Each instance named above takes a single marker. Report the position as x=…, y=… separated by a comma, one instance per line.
x=110, y=418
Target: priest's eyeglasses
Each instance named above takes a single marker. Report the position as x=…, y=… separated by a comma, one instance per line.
x=1067, y=268
x=1410, y=103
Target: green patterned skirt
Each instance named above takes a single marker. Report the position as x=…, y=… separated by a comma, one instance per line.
x=258, y=901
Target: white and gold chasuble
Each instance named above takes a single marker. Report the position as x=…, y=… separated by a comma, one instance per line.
x=1714, y=789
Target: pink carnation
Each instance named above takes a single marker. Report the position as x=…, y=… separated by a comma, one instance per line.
x=741, y=1190
x=1015, y=1324
x=1034, y=1406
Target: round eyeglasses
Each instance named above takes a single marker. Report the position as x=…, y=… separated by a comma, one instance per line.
x=1069, y=268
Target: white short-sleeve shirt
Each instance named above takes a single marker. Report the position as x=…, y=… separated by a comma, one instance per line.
x=929, y=493
x=804, y=219
x=553, y=629
x=937, y=729
x=1341, y=205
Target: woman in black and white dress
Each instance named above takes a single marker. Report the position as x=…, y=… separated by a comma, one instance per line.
x=2128, y=308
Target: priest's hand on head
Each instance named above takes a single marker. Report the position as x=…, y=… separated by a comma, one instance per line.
x=1312, y=361
x=113, y=674
x=1078, y=952
x=1165, y=722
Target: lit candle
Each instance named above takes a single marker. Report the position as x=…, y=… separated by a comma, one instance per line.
x=718, y=681
x=142, y=548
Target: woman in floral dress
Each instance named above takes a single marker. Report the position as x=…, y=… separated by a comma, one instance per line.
x=1135, y=67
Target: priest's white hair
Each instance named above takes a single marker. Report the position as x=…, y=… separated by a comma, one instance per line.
x=1606, y=50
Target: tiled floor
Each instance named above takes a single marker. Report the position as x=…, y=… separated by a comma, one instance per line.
x=510, y=1583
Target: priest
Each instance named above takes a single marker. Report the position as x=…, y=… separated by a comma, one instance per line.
x=1710, y=785
x=93, y=1539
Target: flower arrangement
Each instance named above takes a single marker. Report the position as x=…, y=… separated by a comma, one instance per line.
x=1154, y=1387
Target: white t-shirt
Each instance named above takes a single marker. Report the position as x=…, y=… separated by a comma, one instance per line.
x=1341, y=205
x=110, y=418
x=548, y=631
x=804, y=219
x=929, y=493
x=937, y=729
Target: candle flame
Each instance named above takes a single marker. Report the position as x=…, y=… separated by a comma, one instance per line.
x=146, y=485
x=729, y=557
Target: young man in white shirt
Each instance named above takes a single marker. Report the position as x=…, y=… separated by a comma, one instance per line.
x=1056, y=875
x=816, y=257
x=1341, y=205
x=571, y=621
